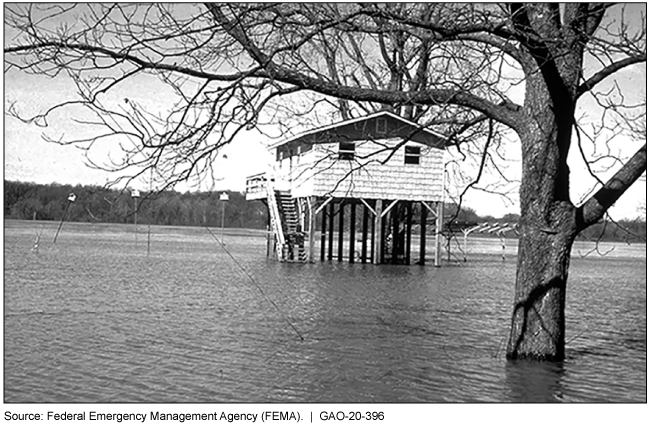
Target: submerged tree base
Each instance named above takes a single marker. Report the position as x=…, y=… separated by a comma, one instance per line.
x=534, y=356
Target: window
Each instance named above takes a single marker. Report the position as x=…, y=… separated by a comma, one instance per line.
x=412, y=155
x=346, y=151
x=381, y=125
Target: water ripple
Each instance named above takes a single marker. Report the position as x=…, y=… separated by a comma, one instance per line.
x=95, y=319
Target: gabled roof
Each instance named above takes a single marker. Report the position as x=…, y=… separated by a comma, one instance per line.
x=321, y=134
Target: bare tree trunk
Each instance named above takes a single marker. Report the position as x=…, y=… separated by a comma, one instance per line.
x=547, y=228
x=537, y=330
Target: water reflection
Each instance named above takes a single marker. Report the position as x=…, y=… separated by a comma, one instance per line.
x=534, y=381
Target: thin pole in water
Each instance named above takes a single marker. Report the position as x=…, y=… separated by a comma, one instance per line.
x=149, y=225
x=71, y=199
x=223, y=197
x=135, y=194
x=223, y=215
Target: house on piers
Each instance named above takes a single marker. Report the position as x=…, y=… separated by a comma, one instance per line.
x=366, y=190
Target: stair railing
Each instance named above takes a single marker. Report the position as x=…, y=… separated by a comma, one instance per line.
x=276, y=221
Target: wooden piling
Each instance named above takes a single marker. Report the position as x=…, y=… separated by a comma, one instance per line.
x=364, y=235
x=330, y=237
x=341, y=223
x=439, y=224
x=372, y=234
x=353, y=214
x=409, y=218
x=268, y=233
x=311, y=209
x=323, y=233
x=423, y=232
x=394, y=215
x=377, y=234
x=382, y=240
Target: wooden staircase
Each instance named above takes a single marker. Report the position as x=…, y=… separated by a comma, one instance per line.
x=294, y=247
x=290, y=240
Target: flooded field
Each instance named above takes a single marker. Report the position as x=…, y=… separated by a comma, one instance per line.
x=95, y=318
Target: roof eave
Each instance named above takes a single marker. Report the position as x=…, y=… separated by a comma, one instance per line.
x=354, y=120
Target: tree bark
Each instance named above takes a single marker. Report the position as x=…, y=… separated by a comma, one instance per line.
x=537, y=329
x=547, y=223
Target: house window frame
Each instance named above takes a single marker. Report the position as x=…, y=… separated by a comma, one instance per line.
x=412, y=158
x=381, y=126
x=347, y=150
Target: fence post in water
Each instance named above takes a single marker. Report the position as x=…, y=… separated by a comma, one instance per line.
x=149, y=236
x=223, y=198
x=503, y=246
x=135, y=194
x=71, y=199
x=465, y=234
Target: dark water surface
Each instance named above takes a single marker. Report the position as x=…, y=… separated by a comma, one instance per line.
x=96, y=319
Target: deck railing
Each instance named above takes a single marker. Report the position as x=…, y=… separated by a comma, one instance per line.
x=256, y=186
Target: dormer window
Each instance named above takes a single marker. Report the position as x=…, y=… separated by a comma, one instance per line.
x=411, y=155
x=346, y=151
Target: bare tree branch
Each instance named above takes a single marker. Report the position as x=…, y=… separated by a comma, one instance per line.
x=607, y=71
x=594, y=208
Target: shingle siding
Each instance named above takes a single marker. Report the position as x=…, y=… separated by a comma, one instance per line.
x=319, y=172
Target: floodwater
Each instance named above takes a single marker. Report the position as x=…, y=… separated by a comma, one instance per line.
x=95, y=318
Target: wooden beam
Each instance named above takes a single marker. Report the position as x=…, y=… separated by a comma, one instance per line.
x=364, y=233
x=409, y=218
x=353, y=218
x=269, y=232
x=365, y=203
x=382, y=255
x=341, y=223
x=423, y=233
x=323, y=233
x=330, y=237
x=372, y=237
x=389, y=207
x=395, y=231
x=438, y=233
x=435, y=213
x=377, y=234
x=322, y=206
x=312, y=228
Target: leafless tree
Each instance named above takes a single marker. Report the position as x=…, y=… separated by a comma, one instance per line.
x=468, y=70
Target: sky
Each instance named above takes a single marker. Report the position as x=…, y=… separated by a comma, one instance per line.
x=27, y=157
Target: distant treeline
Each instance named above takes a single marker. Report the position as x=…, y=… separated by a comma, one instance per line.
x=97, y=204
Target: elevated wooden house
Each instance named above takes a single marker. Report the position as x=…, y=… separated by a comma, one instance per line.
x=382, y=173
